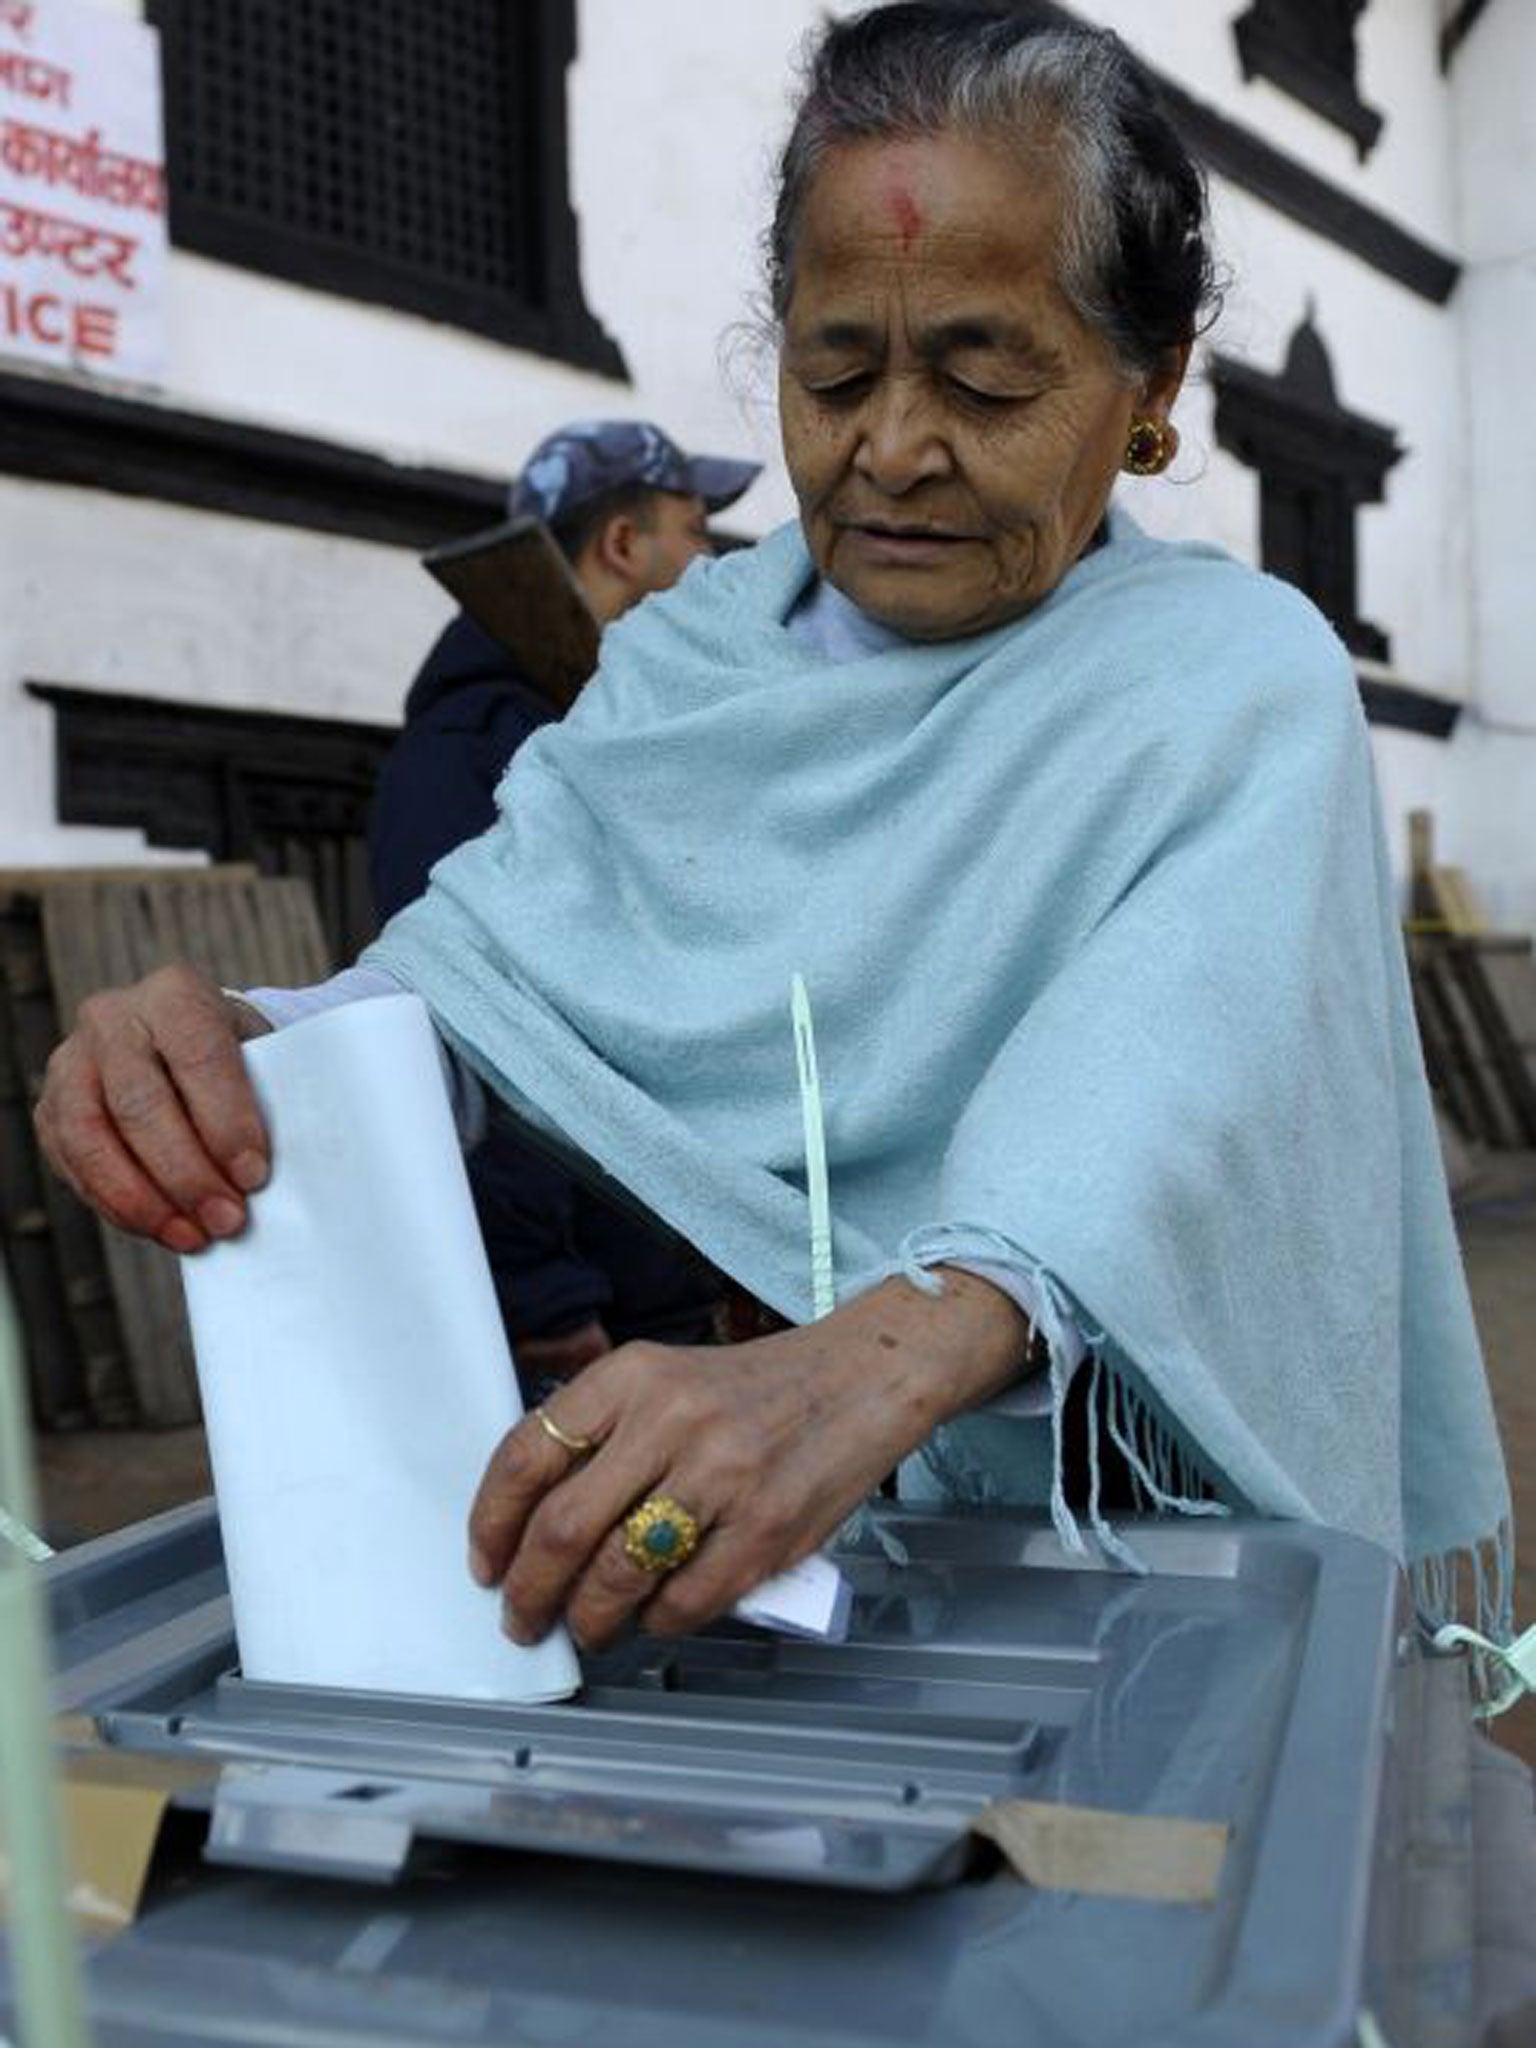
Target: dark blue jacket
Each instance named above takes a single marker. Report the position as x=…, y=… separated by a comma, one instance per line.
x=559, y=1253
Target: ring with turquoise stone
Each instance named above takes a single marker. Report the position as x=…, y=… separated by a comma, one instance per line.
x=660, y=1534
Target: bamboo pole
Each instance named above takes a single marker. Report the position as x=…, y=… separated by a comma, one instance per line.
x=45, y=1976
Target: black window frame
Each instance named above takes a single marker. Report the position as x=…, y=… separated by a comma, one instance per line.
x=550, y=317
x=289, y=794
x=1318, y=462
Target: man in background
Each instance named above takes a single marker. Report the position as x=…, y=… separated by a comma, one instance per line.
x=574, y=1274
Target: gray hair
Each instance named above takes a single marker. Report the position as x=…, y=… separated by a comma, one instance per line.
x=1133, y=248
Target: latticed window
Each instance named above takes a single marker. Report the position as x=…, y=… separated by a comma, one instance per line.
x=392, y=150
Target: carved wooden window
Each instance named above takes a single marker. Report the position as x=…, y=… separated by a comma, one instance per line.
x=390, y=150
x=1307, y=48
x=1317, y=463
x=289, y=794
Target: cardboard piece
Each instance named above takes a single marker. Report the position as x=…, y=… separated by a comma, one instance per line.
x=513, y=580
x=1107, y=1855
x=114, y=1805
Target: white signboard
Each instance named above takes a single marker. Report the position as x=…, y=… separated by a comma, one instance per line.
x=82, y=189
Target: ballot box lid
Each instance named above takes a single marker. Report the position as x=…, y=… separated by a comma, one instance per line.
x=742, y=1839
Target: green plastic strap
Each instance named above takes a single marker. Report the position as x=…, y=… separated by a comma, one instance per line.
x=823, y=1290
x=1367, y=2033
x=1516, y=1659
x=20, y=1537
x=44, y=1962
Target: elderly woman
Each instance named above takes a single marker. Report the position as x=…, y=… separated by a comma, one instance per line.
x=1071, y=837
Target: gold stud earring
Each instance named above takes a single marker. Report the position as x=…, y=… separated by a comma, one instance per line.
x=1149, y=447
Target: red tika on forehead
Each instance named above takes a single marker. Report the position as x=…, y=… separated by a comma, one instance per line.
x=904, y=211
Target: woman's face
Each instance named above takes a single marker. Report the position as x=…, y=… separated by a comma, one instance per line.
x=951, y=426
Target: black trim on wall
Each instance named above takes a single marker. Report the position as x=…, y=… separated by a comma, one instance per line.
x=1312, y=60
x=1406, y=709
x=1301, y=195
x=1457, y=29
x=67, y=433
x=1281, y=181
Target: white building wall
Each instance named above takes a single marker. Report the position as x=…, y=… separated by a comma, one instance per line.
x=1482, y=785
x=1412, y=547
x=120, y=593
x=151, y=600
x=1494, y=107
x=1398, y=40
x=1443, y=562
x=675, y=114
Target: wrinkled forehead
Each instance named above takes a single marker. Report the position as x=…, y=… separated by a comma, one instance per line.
x=935, y=214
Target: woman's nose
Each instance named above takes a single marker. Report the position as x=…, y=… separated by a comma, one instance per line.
x=899, y=446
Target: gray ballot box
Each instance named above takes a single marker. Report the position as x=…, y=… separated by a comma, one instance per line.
x=735, y=1840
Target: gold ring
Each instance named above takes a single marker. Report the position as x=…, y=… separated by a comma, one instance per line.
x=660, y=1534
x=578, y=1446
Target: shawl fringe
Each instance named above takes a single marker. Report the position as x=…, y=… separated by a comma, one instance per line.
x=1165, y=1469
x=1471, y=1587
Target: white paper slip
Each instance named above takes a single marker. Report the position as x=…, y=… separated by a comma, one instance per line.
x=811, y=1599
x=355, y=1377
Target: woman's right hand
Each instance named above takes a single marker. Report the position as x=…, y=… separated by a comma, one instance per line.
x=148, y=1114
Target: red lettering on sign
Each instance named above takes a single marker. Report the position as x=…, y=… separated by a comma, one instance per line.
x=95, y=330
x=72, y=324
x=34, y=316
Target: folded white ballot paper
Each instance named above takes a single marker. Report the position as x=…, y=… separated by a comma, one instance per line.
x=355, y=1379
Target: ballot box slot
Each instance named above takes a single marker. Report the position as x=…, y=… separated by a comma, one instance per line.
x=309, y=1821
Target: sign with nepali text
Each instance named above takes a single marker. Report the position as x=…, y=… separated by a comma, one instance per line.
x=82, y=189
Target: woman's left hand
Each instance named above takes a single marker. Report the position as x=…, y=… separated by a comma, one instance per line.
x=768, y=1445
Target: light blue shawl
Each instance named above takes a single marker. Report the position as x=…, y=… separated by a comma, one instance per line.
x=1100, y=937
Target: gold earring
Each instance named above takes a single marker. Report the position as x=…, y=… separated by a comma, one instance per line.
x=1149, y=447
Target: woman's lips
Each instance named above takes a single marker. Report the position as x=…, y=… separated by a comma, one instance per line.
x=903, y=546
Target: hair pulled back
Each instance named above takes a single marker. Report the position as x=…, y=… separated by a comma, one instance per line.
x=1134, y=251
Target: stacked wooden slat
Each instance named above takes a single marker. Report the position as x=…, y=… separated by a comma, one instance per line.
x=103, y=1314
x=52, y=1248
x=1475, y=995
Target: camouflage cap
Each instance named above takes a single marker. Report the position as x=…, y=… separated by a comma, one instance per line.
x=580, y=461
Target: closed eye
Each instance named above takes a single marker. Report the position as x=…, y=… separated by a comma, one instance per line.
x=986, y=401
x=842, y=390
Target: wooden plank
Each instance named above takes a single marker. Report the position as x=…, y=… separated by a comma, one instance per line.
x=1455, y=904
x=28, y=883
x=110, y=925
x=73, y=1237
x=1486, y=969
x=294, y=946
x=1445, y=1046
x=54, y=1366
x=98, y=936
x=1445, y=1063
x=1509, y=967
x=515, y=583
x=1499, y=1122
x=243, y=930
